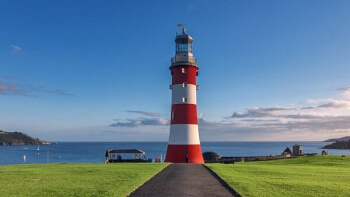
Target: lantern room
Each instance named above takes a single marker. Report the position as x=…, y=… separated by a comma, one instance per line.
x=183, y=42
x=183, y=50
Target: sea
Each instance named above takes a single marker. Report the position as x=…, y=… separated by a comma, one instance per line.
x=94, y=152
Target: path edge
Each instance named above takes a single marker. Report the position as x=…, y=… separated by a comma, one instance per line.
x=147, y=181
x=222, y=182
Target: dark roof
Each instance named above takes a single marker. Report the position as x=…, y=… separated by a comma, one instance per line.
x=211, y=156
x=130, y=151
x=183, y=36
x=287, y=150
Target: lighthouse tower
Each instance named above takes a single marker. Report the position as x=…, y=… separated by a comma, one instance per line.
x=184, y=145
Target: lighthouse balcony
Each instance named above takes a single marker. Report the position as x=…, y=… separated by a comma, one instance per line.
x=184, y=59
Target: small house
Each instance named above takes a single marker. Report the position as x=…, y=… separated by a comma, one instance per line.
x=287, y=152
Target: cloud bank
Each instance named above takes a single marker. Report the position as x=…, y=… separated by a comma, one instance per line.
x=332, y=104
x=156, y=120
x=260, y=112
x=146, y=113
x=313, y=119
x=140, y=122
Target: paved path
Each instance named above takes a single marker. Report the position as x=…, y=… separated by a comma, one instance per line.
x=184, y=180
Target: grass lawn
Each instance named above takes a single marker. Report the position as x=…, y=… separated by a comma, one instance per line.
x=75, y=179
x=303, y=176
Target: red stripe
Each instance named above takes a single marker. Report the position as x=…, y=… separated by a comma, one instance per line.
x=177, y=154
x=189, y=77
x=184, y=114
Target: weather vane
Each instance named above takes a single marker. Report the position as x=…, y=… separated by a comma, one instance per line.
x=183, y=25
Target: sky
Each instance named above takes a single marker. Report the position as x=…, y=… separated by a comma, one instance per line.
x=99, y=70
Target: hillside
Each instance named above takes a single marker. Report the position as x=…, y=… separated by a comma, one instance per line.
x=346, y=138
x=338, y=145
x=18, y=138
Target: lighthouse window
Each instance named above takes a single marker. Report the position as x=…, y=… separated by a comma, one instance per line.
x=183, y=45
x=183, y=48
x=190, y=47
x=184, y=85
x=184, y=100
x=184, y=70
x=172, y=116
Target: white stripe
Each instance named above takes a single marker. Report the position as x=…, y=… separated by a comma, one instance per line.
x=183, y=134
x=183, y=95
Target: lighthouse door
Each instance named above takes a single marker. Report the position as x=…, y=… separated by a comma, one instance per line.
x=186, y=155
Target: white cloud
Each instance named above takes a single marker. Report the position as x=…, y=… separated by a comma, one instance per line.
x=16, y=49
x=61, y=92
x=316, y=101
x=260, y=112
x=140, y=122
x=146, y=113
x=332, y=104
x=343, y=88
x=288, y=127
x=346, y=94
x=7, y=88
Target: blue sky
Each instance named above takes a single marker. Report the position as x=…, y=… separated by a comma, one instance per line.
x=98, y=70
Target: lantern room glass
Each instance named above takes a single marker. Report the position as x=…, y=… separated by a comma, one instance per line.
x=183, y=45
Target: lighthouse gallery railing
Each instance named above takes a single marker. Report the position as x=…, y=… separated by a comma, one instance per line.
x=178, y=59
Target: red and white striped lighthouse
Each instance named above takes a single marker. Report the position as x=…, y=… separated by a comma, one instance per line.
x=184, y=145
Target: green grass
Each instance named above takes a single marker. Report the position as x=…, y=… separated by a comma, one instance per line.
x=303, y=176
x=75, y=179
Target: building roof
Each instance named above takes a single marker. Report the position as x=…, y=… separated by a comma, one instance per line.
x=129, y=151
x=287, y=151
x=184, y=35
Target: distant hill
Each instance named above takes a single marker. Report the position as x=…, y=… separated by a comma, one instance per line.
x=18, y=138
x=346, y=138
x=338, y=145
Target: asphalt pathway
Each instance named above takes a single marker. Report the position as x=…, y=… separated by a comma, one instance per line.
x=185, y=180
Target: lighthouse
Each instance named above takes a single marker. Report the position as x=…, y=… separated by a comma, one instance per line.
x=184, y=144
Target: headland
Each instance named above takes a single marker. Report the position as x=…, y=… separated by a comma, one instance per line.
x=18, y=138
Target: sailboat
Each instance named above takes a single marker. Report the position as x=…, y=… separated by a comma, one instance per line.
x=38, y=151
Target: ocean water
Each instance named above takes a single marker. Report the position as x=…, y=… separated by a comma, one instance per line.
x=93, y=152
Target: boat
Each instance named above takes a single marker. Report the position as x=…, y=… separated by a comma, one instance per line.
x=38, y=148
x=127, y=155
